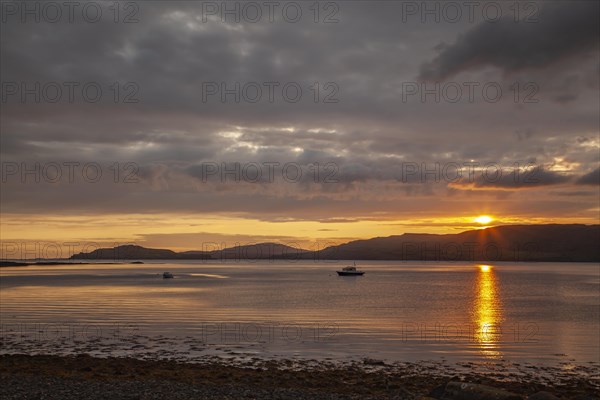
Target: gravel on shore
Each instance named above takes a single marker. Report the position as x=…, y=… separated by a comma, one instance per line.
x=85, y=377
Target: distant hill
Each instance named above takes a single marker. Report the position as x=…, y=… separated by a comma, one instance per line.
x=133, y=252
x=502, y=243
x=576, y=243
x=259, y=251
x=127, y=252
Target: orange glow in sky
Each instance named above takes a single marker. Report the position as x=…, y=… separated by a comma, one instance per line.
x=189, y=232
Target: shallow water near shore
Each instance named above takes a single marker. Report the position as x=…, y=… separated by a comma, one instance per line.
x=546, y=314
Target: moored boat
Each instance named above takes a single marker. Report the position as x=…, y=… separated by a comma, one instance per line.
x=350, y=270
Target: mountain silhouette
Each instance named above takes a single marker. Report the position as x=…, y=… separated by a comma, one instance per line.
x=552, y=242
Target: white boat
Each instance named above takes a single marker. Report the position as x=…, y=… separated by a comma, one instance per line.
x=350, y=270
x=167, y=275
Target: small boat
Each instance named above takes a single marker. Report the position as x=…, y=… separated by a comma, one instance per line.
x=167, y=275
x=350, y=271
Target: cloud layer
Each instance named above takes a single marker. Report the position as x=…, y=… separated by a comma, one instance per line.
x=369, y=114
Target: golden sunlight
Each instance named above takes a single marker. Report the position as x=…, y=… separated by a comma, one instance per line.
x=487, y=312
x=484, y=219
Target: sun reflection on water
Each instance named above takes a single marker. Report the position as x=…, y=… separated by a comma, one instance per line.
x=487, y=312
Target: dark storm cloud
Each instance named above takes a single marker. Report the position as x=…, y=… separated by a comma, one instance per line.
x=494, y=179
x=370, y=54
x=592, y=178
x=562, y=29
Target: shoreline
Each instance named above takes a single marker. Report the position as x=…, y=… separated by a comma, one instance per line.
x=152, y=261
x=25, y=375
x=8, y=264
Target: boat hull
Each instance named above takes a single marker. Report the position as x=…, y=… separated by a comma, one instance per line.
x=345, y=273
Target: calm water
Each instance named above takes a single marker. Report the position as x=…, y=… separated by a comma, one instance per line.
x=542, y=312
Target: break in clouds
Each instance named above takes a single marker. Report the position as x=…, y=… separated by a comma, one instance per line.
x=363, y=98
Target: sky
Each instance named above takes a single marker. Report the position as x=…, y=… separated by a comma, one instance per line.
x=175, y=124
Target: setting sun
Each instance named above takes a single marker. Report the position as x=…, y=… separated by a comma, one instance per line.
x=484, y=219
x=485, y=268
